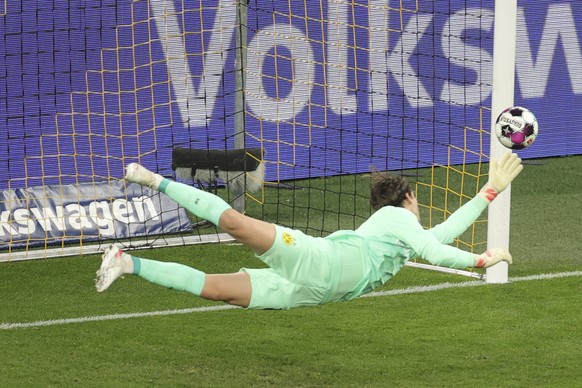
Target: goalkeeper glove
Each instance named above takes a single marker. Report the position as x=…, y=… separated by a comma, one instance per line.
x=501, y=174
x=492, y=257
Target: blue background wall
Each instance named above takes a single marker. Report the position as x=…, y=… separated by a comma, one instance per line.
x=81, y=90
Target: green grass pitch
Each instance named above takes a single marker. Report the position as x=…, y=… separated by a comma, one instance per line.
x=526, y=333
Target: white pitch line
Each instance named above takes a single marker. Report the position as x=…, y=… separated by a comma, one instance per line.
x=54, y=322
x=443, y=286
x=546, y=276
x=409, y=290
x=420, y=289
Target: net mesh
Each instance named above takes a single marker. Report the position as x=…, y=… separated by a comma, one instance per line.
x=327, y=89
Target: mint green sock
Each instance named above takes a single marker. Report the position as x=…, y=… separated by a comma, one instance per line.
x=171, y=275
x=199, y=202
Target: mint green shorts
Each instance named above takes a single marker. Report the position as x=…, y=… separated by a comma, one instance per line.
x=304, y=271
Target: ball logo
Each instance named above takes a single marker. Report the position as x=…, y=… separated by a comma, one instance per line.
x=511, y=121
x=288, y=239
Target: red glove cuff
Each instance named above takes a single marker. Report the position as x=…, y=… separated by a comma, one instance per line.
x=480, y=260
x=490, y=193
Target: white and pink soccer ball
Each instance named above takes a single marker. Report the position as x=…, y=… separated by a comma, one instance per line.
x=516, y=128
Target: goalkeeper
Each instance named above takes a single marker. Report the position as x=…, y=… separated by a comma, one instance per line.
x=305, y=270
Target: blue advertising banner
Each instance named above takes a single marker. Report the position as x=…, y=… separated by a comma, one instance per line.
x=86, y=212
x=331, y=86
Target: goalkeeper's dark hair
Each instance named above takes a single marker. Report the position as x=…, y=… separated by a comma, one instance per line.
x=388, y=190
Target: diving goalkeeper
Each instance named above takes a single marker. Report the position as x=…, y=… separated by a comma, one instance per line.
x=305, y=270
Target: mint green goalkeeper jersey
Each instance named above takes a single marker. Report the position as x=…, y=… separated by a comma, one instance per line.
x=392, y=236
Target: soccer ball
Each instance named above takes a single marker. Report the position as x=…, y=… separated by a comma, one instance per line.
x=516, y=127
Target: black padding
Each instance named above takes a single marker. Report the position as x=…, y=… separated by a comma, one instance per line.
x=223, y=160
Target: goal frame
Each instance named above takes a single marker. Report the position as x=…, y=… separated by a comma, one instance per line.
x=504, y=40
x=498, y=229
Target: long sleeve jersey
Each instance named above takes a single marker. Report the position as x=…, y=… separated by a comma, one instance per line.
x=393, y=235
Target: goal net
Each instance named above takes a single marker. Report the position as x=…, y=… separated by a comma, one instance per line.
x=326, y=91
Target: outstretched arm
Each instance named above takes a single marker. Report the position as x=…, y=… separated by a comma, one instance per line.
x=401, y=228
x=427, y=247
x=501, y=174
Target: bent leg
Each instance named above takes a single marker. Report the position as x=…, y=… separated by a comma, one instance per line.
x=256, y=234
x=170, y=275
x=232, y=288
x=199, y=202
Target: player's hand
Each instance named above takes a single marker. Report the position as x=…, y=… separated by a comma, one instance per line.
x=492, y=257
x=501, y=173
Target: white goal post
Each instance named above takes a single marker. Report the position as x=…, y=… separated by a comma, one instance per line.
x=504, y=40
x=317, y=110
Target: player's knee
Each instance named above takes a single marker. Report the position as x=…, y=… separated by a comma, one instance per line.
x=217, y=289
x=212, y=290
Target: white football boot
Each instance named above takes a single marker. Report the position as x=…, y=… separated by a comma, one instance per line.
x=136, y=173
x=114, y=265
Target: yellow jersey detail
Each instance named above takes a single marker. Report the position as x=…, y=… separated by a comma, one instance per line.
x=288, y=239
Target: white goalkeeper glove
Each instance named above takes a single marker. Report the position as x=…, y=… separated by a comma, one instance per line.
x=501, y=174
x=492, y=257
